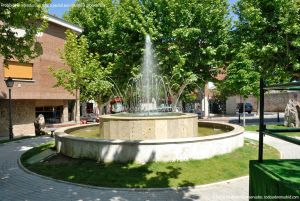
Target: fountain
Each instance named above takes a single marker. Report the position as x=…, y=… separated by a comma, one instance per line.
x=147, y=84
x=147, y=97
x=147, y=132
x=146, y=93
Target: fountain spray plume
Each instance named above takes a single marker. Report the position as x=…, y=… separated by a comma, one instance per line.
x=147, y=70
x=147, y=92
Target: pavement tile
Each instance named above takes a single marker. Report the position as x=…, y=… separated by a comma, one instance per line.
x=15, y=184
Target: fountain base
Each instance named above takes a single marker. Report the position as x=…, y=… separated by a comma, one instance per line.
x=124, y=127
x=143, y=151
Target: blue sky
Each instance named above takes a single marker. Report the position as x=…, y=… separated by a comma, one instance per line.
x=58, y=7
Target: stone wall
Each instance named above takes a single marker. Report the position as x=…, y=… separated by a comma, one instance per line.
x=274, y=101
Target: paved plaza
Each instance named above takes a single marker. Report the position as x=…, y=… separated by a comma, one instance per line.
x=16, y=184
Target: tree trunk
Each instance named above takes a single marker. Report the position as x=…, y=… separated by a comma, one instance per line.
x=174, y=103
x=100, y=108
x=176, y=97
x=257, y=106
x=244, y=114
x=76, y=105
x=101, y=105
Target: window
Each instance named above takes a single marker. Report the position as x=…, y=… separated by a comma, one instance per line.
x=18, y=70
x=52, y=114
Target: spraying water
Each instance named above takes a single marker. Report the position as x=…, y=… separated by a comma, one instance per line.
x=147, y=72
x=146, y=94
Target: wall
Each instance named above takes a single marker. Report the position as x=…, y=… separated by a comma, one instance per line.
x=23, y=115
x=41, y=87
x=274, y=101
x=28, y=94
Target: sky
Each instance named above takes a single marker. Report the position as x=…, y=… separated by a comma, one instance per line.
x=58, y=7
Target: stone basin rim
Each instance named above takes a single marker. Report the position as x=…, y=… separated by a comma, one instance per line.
x=236, y=130
x=134, y=118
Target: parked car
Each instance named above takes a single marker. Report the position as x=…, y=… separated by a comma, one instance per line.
x=90, y=117
x=248, y=107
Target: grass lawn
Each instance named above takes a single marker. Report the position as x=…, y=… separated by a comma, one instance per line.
x=160, y=174
x=255, y=128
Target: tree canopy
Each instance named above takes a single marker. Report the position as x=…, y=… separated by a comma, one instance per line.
x=265, y=42
x=190, y=37
x=85, y=73
x=269, y=30
x=194, y=39
x=28, y=16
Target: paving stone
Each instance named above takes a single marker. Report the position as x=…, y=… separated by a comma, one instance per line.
x=15, y=184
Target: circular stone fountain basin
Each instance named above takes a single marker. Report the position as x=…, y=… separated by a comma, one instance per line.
x=142, y=127
x=143, y=151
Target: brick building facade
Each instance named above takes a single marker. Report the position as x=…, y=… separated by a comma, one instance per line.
x=34, y=95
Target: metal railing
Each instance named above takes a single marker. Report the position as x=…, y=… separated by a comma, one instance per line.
x=274, y=132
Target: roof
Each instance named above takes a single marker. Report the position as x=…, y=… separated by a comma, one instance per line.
x=63, y=23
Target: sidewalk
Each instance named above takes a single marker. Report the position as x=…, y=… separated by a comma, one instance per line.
x=270, y=118
x=15, y=184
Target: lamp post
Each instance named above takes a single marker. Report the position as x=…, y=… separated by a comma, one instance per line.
x=9, y=83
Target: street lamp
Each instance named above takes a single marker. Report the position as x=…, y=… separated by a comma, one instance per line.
x=9, y=83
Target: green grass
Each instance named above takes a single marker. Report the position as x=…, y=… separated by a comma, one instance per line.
x=28, y=154
x=160, y=174
x=255, y=128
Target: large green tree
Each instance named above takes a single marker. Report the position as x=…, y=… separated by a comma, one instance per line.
x=85, y=73
x=116, y=31
x=27, y=15
x=191, y=40
x=265, y=42
x=269, y=31
x=189, y=37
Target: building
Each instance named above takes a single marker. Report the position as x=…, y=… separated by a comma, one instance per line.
x=33, y=91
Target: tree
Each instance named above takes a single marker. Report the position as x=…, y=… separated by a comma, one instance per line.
x=268, y=31
x=191, y=44
x=177, y=86
x=97, y=86
x=27, y=15
x=264, y=43
x=85, y=70
x=116, y=31
x=189, y=37
x=241, y=79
